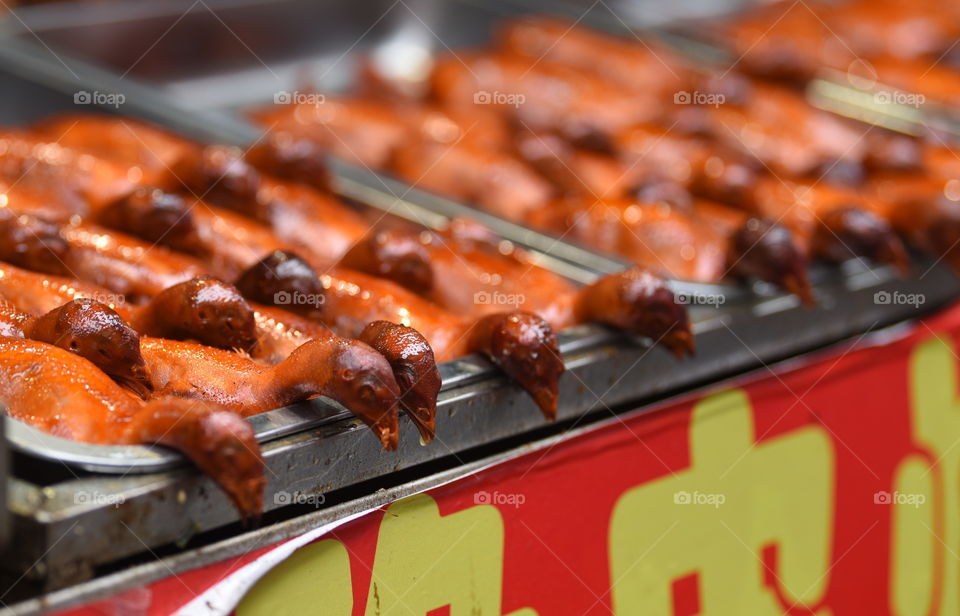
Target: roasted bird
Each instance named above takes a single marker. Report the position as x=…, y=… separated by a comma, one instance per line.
x=289, y=210
x=214, y=312
x=347, y=371
x=480, y=276
x=200, y=309
x=110, y=344
x=68, y=396
x=793, y=41
x=522, y=344
x=123, y=264
x=297, y=215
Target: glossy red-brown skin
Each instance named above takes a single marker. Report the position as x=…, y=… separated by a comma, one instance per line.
x=575, y=171
x=358, y=130
x=154, y=215
x=32, y=242
x=70, y=397
x=122, y=263
x=351, y=300
x=13, y=321
x=96, y=332
x=656, y=236
x=527, y=350
x=414, y=367
x=355, y=299
x=371, y=130
x=779, y=128
x=194, y=309
x=764, y=249
x=579, y=105
x=457, y=152
x=282, y=278
x=93, y=330
x=923, y=208
x=642, y=304
x=36, y=293
x=783, y=42
x=645, y=68
x=706, y=169
x=152, y=156
x=280, y=333
x=292, y=210
x=347, y=371
x=203, y=309
x=794, y=41
x=396, y=254
x=288, y=156
x=60, y=173
x=498, y=182
x=227, y=242
x=830, y=221
x=310, y=221
x=474, y=278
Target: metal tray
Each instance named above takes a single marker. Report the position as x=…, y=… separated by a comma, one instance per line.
x=79, y=522
x=49, y=82
x=56, y=521
x=192, y=101
x=32, y=95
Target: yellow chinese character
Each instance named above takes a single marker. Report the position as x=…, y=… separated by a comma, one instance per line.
x=715, y=519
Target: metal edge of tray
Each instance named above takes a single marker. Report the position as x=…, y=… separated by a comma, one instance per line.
x=463, y=378
x=82, y=516
x=831, y=91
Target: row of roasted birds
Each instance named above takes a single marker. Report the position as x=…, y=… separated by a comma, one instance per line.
x=157, y=290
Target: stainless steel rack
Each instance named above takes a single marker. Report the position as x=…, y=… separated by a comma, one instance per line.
x=316, y=447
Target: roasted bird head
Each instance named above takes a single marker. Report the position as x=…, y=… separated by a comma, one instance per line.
x=284, y=280
x=94, y=331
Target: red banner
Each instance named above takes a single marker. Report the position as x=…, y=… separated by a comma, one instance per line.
x=824, y=488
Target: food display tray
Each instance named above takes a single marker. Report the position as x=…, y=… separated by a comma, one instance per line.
x=92, y=505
